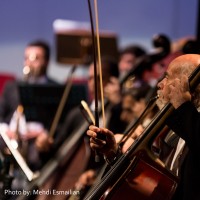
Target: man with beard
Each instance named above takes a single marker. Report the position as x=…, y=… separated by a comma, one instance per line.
x=36, y=62
x=184, y=121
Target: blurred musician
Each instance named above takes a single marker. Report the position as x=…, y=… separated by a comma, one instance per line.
x=36, y=60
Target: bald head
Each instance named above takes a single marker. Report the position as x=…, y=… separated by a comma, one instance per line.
x=174, y=87
x=184, y=64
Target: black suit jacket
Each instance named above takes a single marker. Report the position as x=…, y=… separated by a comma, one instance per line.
x=185, y=121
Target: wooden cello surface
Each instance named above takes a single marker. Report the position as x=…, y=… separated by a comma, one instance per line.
x=145, y=180
x=138, y=171
x=62, y=180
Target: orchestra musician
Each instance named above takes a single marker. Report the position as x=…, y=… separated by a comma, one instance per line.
x=184, y=121
x=127, y=61
x=36, y=62
x=74, y=121
x=133, y=104
x=128, y=57
x=75, y=118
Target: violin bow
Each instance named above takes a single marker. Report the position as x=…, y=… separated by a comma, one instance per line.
x=97, y=69
x=99, y=62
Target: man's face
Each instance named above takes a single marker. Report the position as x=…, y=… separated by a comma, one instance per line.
x=34, y=58
x=163, y=85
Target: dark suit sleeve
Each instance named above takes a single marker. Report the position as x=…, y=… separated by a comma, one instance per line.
x=185, y=121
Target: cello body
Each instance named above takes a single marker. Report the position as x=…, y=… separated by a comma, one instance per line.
x=138, y=173
x=63, y=170
x=145, y=180
x=63, y=179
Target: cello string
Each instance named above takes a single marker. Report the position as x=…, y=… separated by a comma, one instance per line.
x=151, y=103
x=99, y=62
x=158, y=122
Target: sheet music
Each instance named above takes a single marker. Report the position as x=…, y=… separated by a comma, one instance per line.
x=19, y=159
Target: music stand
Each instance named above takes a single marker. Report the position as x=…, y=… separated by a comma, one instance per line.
x=41, y=101
x=74, y=42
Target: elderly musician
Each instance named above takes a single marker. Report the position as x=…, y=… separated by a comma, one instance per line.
x=184, y=121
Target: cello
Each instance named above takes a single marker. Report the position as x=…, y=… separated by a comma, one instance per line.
x=138, y=168
x=160, y=41
x=67, y=153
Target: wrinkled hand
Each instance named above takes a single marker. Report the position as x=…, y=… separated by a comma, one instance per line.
x=107, y=147
x=43, y=142
x=179, y=92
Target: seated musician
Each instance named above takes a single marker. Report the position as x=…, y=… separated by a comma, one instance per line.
x=133, y=104
x=184, y=121
x=74, y=120
x=33, y=135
